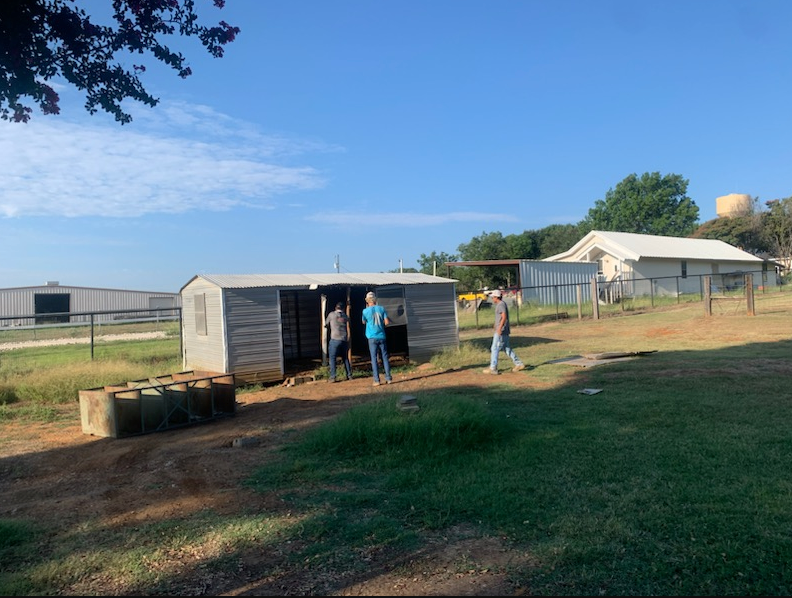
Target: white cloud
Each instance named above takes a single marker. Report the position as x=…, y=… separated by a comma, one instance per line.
x=406, y=220
x=184, y=159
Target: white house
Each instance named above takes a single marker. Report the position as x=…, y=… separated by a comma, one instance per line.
x=676, y=264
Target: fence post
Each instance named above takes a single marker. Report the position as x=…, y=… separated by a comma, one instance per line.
x=92, y=337
x=707, y=296
x=594, y=299
x=749, y=294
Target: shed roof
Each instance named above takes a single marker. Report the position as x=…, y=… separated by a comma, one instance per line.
x=634, y=246
x=247, y=281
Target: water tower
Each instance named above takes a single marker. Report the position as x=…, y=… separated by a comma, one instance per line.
x=733, y=204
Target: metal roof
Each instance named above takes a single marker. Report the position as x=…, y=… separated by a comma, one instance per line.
x=247, y=281
x=634, y=246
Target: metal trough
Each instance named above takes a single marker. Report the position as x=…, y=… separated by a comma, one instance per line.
x=157, y=404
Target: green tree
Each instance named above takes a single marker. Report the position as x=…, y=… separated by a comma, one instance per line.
x=45, y=40
x=434, y=263
x=557, y=238
x=651, y=205
x=743, y=230
x=778, y=229
x=523, y=246
x=487, y=246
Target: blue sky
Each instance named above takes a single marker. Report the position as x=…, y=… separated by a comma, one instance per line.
x=376, y=131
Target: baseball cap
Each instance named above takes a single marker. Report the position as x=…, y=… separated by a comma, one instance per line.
x=370, y=295
x=496, y=293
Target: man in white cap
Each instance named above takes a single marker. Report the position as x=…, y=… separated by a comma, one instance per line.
x=376, y=318
x=500, y=340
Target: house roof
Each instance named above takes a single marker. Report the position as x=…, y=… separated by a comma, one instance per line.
x=634, y=246
x=247, y=281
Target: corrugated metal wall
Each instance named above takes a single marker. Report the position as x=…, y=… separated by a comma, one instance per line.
x=432, y=322
x=203, y=352
x=21, y=301
x=253, y=322
x=558, y=280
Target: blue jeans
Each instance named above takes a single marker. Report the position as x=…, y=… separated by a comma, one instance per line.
x=500, y=342
x=378, y=345
x=338, y=349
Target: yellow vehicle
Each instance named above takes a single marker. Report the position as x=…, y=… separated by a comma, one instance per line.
x=470, y=296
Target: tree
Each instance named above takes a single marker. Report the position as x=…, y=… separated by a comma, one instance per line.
x=43, y=40
x=487, y=246
x=778, y=229
x=434, y=263
x=651, y=205
x=522, y=246
x=557, y=238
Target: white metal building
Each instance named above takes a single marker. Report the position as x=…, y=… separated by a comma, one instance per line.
x=261, y=326
x=41, y=302
x=679, y=260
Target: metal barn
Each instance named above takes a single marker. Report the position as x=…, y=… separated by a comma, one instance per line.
x=261, y=327
x=40, y=303
x=549, y=283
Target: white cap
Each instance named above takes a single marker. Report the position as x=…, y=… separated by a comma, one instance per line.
x=370, y=296
x=496, y=293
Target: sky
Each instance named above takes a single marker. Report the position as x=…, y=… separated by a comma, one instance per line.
x=355, y=136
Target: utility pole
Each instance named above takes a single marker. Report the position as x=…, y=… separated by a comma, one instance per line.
x=401, y=269
x=337, y=264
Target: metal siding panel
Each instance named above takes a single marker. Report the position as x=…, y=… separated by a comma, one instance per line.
x=558, y=281
x=391, y=297
x=432, y=320
x=21, y=301
x=203, y=352
x=252, y=319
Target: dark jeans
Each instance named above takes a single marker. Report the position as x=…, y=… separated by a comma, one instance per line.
x=379, y=346
x=339, y=349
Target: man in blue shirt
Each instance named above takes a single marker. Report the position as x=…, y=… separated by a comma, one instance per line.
x=376, y=318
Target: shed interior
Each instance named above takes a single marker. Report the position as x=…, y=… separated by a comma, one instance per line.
x=303, y=312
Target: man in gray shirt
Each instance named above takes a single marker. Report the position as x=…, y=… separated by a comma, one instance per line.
x=338, y=322
x=500, y=339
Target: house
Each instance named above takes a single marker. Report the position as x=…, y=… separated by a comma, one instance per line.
x=674, y=263
x=262, y=327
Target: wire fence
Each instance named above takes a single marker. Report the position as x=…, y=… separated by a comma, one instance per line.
x=89, y=328
x=528, y=305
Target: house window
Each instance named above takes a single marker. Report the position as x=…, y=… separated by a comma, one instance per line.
x=200, y=315
x=599, y=267
x=684, y=268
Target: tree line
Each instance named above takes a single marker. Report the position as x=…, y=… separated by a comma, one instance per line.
x=650, y=204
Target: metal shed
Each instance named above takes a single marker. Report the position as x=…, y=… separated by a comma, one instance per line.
x=548, y=283
x=260, y=327
x=54, y=298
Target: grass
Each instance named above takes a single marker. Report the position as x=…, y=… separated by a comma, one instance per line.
x=672, y=488
x=672, y=481
x=33, y=380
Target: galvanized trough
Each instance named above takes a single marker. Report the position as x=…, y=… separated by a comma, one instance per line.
x=157, y=404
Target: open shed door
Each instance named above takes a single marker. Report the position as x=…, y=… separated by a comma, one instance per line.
x=391, y=297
